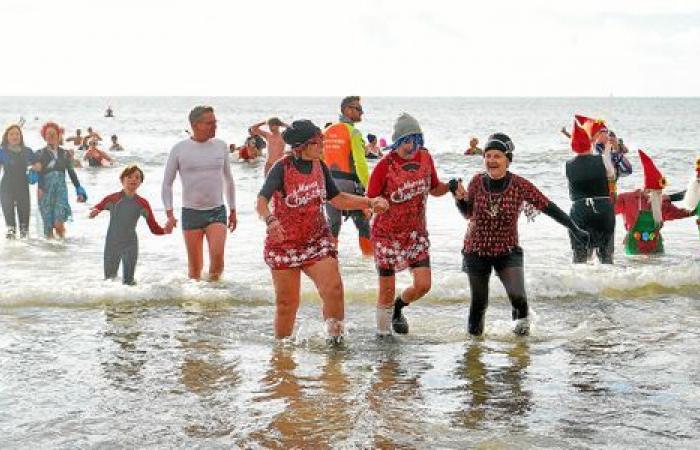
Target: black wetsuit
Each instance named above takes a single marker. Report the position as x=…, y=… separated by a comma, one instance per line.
x=591, y=208
x=14, y=188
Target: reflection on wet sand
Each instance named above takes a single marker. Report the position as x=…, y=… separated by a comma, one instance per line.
x=391, y=400
x=497, y=394
x=209, y=374
x=122, y=362
x=315, y=411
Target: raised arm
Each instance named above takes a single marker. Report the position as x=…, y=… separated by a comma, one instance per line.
x=255, y=130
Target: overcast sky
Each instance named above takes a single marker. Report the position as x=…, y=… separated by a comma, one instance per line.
x=373, y=47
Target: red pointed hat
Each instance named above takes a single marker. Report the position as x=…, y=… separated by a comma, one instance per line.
x=584, y=130
x=652, y=177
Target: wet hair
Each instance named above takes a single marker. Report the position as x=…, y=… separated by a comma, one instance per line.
x=5, y=143
x=274, y=121
x=347, y=100
x=198, y=111
x=48, y=125
x=129, y=170
x=328, y=124
x=371, y=137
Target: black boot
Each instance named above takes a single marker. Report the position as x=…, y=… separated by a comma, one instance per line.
x=23, y=233
x=398, y=321
x=10, y=233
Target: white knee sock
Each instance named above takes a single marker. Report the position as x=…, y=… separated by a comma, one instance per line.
x=384, y=314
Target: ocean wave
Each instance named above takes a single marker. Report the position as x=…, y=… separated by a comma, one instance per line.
x=586, y=281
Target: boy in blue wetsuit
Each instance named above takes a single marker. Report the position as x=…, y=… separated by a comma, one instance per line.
x=125, y=207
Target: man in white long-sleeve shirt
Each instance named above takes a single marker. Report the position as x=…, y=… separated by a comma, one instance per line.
x=205, y=173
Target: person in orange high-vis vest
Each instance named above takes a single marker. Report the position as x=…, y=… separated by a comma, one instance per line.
x=344, y=154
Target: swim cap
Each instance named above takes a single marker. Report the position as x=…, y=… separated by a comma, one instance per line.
x=299, y=132
x=502, y=142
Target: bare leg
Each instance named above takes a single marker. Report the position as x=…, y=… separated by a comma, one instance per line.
x=422, y=282
x=194, y=241
x=326, y=277
x=387, y=291
x=60, y=229
x=287, y=293
x=216, y=240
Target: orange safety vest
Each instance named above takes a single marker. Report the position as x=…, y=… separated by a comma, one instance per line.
x=337, y=149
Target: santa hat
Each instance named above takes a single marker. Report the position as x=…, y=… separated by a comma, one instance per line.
x=584, y=130
x=652, y=176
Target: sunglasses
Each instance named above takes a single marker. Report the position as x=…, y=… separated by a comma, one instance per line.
x=357, y=108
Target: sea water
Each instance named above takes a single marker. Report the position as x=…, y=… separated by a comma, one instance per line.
x=612, y=360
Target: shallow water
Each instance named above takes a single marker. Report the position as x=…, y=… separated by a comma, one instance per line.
x=612, y=360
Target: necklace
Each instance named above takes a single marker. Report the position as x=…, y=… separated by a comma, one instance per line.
x=494, y=205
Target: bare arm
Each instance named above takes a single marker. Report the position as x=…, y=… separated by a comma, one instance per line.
x=257, y=131
x=345, y=200
x=262, y=207
x=274, y=227
x=440, y=190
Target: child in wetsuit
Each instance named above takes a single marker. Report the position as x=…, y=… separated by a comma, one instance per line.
x=125, y=208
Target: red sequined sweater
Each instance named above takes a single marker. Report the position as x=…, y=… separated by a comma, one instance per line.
x=493, y=222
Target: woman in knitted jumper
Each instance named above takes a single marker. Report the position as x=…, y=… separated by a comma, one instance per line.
x=492, y=205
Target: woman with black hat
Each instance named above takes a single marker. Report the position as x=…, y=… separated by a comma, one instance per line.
x=298, y=236
x=492, y=204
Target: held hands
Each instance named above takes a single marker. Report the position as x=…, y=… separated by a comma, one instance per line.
x=457, y=189
x=378, y=205
x=169, y=225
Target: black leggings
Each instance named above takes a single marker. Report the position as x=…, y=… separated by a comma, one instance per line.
x=12, y=196
x=509, y=268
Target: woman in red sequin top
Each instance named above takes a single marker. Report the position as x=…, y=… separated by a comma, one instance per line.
x=404, y=177
x=298, y=237
x=492, y=205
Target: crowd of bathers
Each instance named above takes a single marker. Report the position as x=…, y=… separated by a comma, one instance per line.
x=315, y=178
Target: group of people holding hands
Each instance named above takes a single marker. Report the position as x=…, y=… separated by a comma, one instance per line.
x=324, y=177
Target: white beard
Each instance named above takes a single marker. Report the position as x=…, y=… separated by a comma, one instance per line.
x=692, y=194
x=655, y=199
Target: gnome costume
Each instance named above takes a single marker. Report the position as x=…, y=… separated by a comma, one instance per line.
x=644, y=212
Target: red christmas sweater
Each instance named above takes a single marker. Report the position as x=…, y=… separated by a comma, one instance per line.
x=299, y=209
x=493, y=224
x=400, y=235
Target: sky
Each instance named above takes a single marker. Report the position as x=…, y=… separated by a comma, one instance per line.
x=332, y=48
